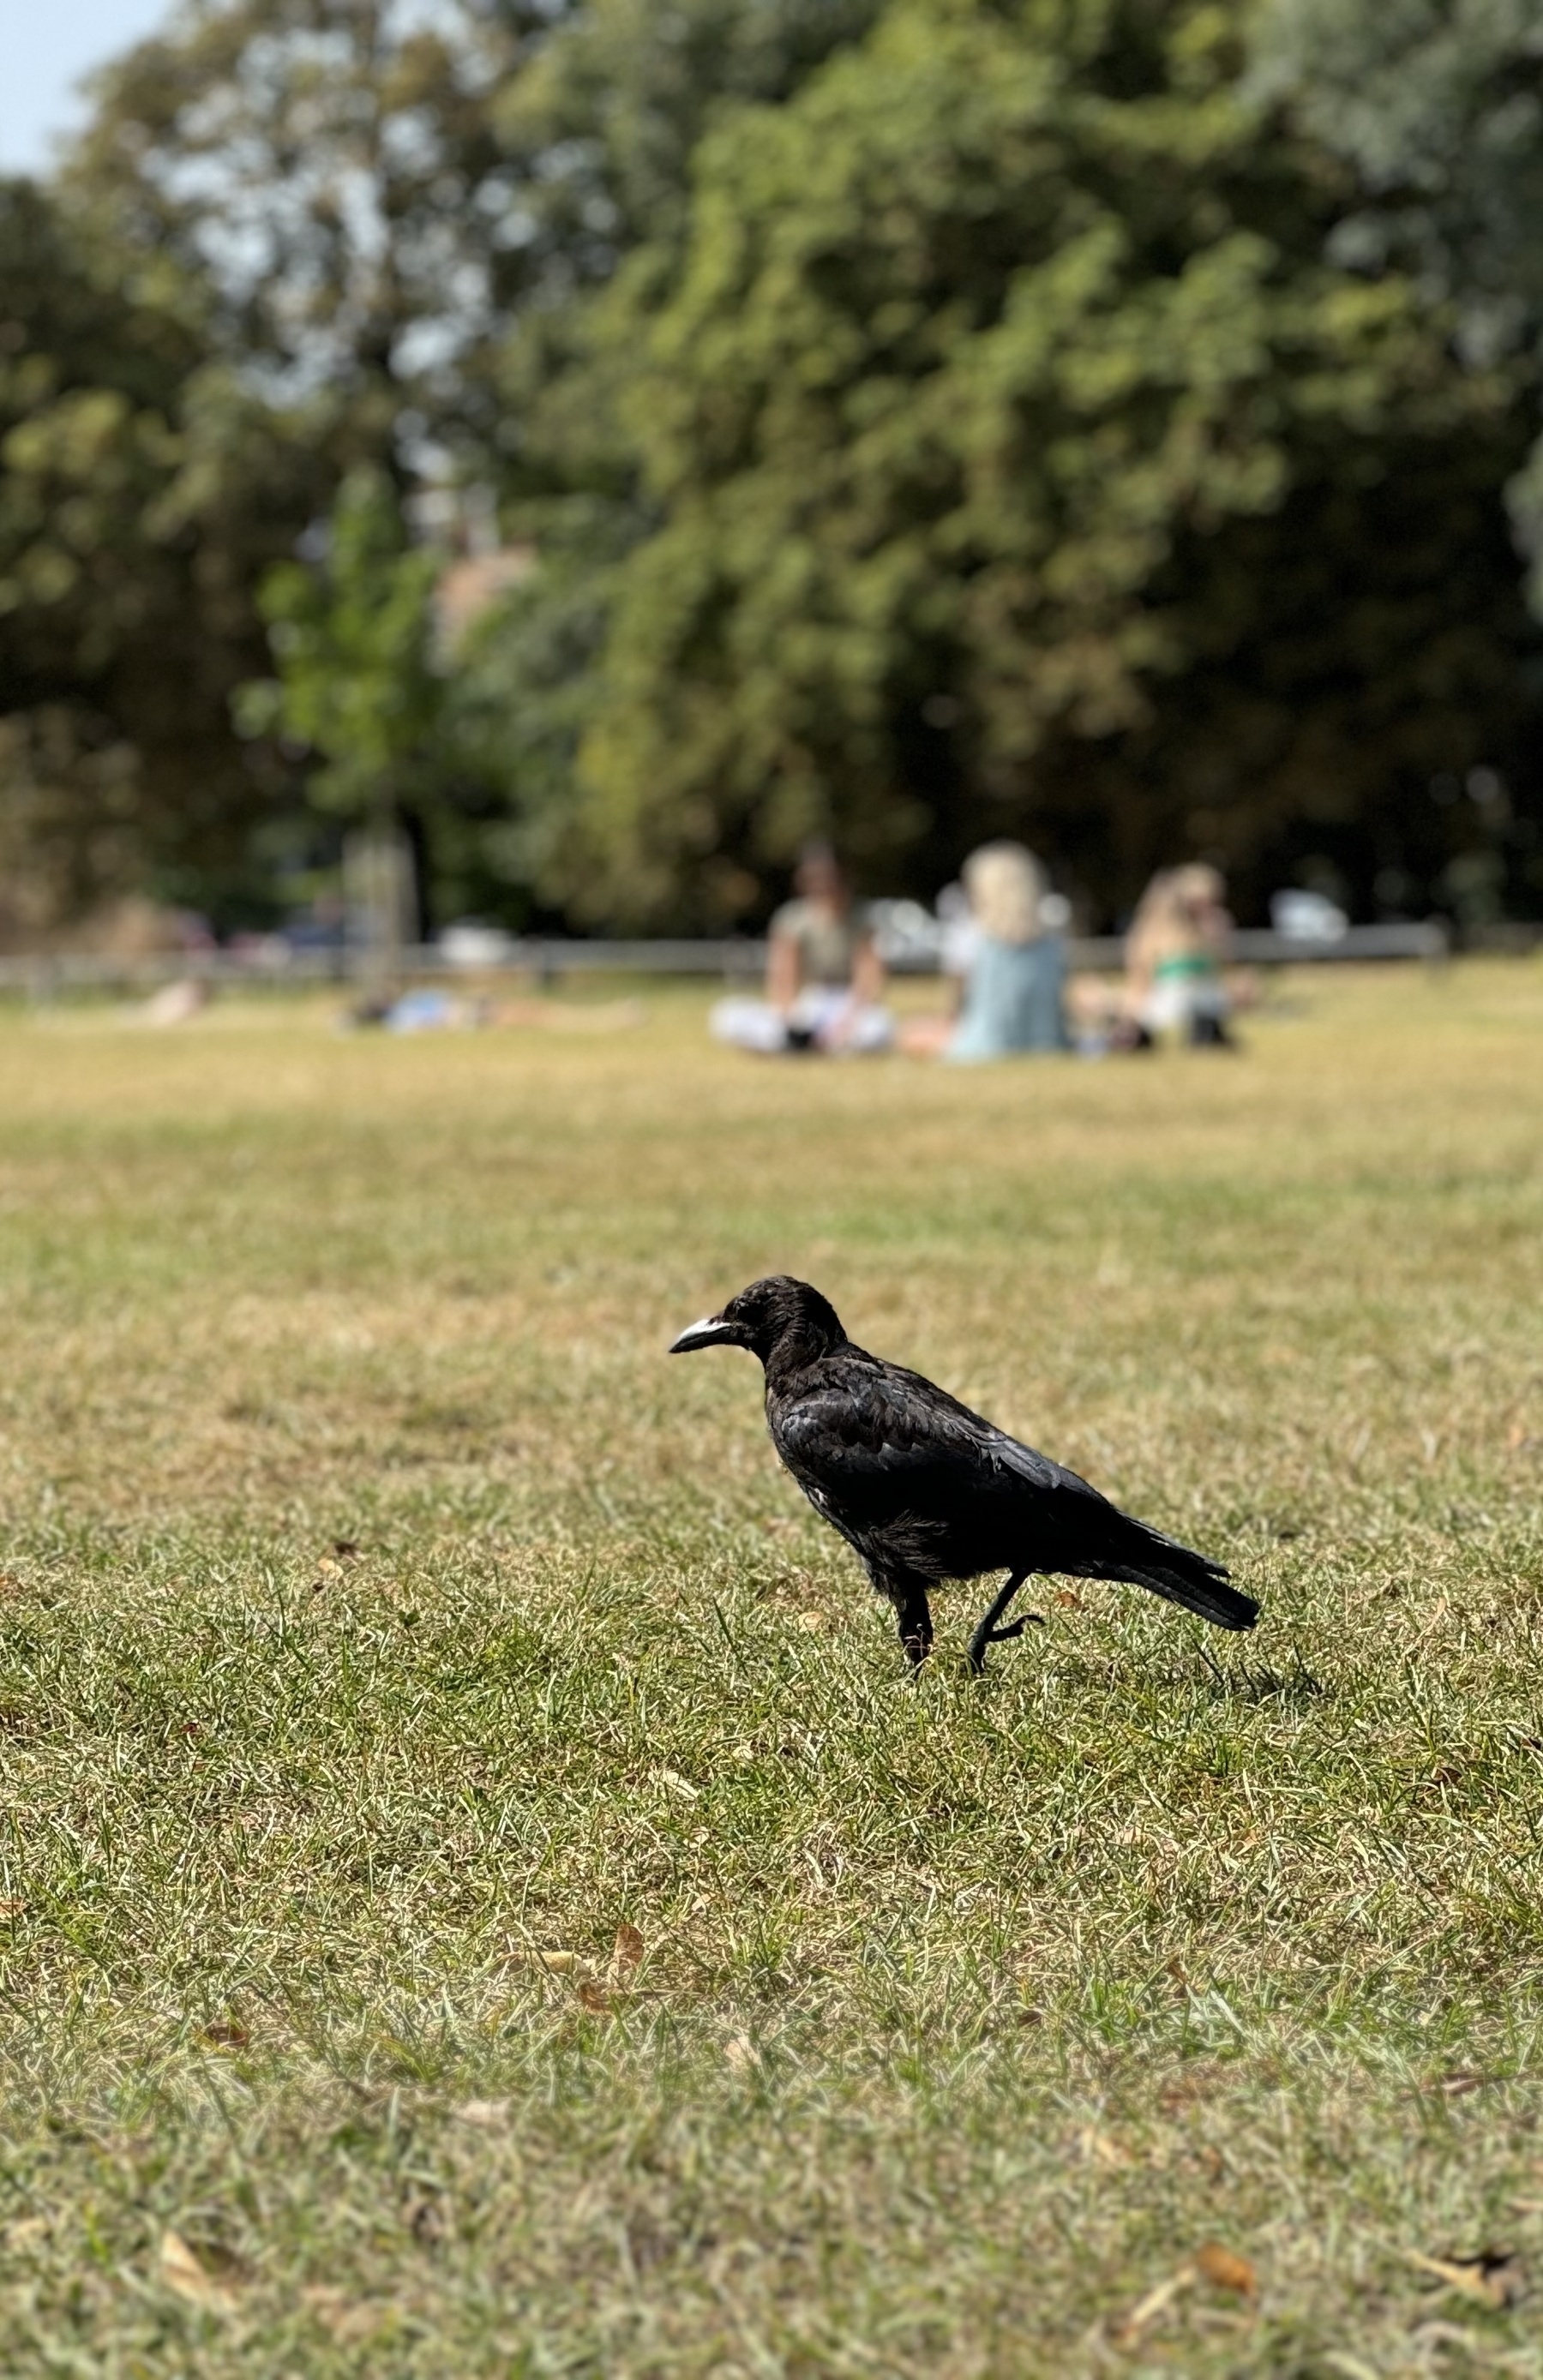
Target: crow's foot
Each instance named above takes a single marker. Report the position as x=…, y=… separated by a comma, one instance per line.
x=990, y=1633
x=913, y=1620
x=1000, y=1636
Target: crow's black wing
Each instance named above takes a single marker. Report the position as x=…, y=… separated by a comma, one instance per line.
x=882, y=1442
x=899, y=1465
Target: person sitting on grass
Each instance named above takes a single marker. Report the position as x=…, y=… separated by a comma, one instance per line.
x=824, y=978
x=1178, y=942
x=1011, y=964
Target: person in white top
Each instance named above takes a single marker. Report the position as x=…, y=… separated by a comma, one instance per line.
x=824, y=978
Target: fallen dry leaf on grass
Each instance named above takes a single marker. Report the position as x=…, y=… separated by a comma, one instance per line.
x=190, y=2274
x=13, y=1907
x=627, y=1952
x=348, y=2320
x=1493, y=2278
x=1223, y=2267
x=1199, y=2081
x=679, y=1784
x=224, y=2033
x=1226, y=2270
x=593, y=1991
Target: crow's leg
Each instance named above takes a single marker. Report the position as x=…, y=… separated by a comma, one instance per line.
x=915, y=1623
x=988, y=1632
x=906, y=1596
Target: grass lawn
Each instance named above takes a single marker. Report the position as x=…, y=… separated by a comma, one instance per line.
x=556, y=1937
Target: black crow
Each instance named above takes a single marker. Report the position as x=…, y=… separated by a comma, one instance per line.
x=923, y=1489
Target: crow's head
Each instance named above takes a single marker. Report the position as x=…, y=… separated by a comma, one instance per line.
x=765, y=1316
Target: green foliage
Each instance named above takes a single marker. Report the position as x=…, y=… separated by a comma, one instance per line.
x=521, y=691
x=349, y=208
x=1439, y=108
x=613, y=105
x=982, y=347
x=604, y=118
x=351, y=636
x=144, y=489
x=1438, y=104
x=1087, y=419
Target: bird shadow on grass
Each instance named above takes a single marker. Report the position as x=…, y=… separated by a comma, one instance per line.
x=1245, y=1683
x=1292, y=1688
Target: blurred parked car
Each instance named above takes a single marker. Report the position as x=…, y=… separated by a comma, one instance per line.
x=1300, y=917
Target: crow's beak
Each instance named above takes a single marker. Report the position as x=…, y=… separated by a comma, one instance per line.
x=712, y=1331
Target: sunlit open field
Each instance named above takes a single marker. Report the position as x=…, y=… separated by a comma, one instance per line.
x=478, y=1891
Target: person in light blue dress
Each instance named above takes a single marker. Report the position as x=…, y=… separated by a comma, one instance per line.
x=1016, y=964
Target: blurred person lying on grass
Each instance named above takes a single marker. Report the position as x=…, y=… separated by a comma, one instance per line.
x=824, y=978
x=1010, y=959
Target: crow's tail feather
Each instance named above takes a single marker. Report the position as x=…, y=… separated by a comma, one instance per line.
x=1145, y=1558
x=1202, y=1589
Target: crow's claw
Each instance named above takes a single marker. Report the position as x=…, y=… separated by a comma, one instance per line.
x=990, y=1633
x=980, y=1641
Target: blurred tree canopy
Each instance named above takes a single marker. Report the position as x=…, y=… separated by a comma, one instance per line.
x=1101, y=420
x=1438, y=106
x=350, y=636
x=144, y=489
x=1024, y=460
x=328, y=172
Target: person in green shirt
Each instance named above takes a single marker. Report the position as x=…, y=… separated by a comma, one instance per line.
x=1178, y=942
